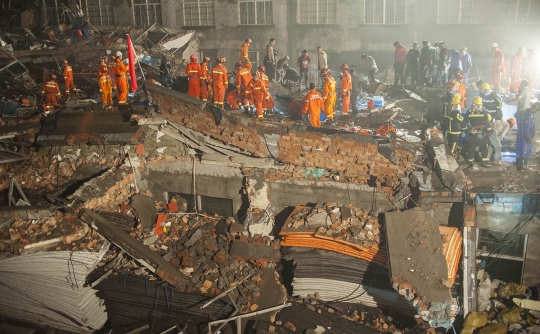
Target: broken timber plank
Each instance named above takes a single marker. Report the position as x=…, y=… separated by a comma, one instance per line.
x=142, y=254
x=238, y=160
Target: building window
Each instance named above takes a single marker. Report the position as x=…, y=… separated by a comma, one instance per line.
x=460, y=11
x=256, y=58
x=316, y=12
x=256, y=12
x=146, y=12
x=198, y=13
x=55, y=11
x=12, y=4
x=99, y=12
x=528, y=11
x=385, y=12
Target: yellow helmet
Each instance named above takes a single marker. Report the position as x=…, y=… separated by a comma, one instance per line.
x=455, y=100
x=485, y=85
x=489, y=117
x=477, y=100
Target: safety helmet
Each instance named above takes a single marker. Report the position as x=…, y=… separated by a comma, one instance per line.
x=489, y=117
x=456, y=99
x=53, y=76
x=477, y=100
x=262, y=69
x=237, y=66
x=221, y=60
x=485, y=85
x=345, y=66
x=450, y=84
x=103, y=69
x=415, y=44
x=248, y=40
x=153, y=81
x=65, y=61
x=442, y=44
x=511, y=122
x=287, y=57
x=326, y=72
x=459, y=76
x=119, y=53
x=206, y=59
x=193, y=57
x=494, y=45
x=464, y=48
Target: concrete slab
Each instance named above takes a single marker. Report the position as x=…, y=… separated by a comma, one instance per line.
x=146, y=209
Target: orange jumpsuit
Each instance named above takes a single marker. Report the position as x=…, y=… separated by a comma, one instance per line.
x=243, y=78
x=205, y=80
x=193, y=71
x=51, y=91
x=313, y=102
x=515, y=72
x=220, y=81
x=121, y=81
x=68, y=78
x=258, y=93
x=346, y=87
x=105, y=88
x=244, y=56
x=462, y=90
x=267, y=104
x=330, y=97
x=497, y=68
x=111, y=66
x=233, y=98
x=101, y=64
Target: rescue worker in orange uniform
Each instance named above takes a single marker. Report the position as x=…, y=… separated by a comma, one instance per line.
x=205, y=79
x=220, y=81
x=233, y=99
x=515, y=69
x=497, y=67
x=193, y=71
x=267, y=104
x=257, y=92
x=329, y=95
x=68, y=77
x=529, y=68
x=102, y=63
x=244, y=54
x=121, y=79
x=243, y=78
x=105, y=87
x=462, y=90
x=313, y=103
x=111, y=65
x=50, y=91
x=346, y=88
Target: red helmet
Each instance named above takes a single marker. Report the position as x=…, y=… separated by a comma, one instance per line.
x=459, y=76
x=193, y=57
x=221, y=60
x=103, y=69
x=248, y=40
x=326, y=72
x=450, y=84
x=206, y=59
x=262, y=69
x=236, y=66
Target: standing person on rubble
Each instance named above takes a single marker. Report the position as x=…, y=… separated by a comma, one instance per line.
x=466, y=63
x=529, y=68
x=371, y=66
x=355, y=91
x=346, y=87
x=491, y=102
x=399, y=63
x=303, y=63
x=105, y=88
x=498, y=131
x=205, y=79
x=497, y=67
x=428, y=62
x=313, y=103
x=257, y=92
x=220, y=81
x=456, y=65
x=244, y=54
x=515, y=69
x=111, y=67
x=243, y=78
x=462, y=89
x=270, y=60
x=102, y=63
x=413, y=64
x=477, y=122
x=452, y=89
x=165, y=75
x=525, y=135
x=329, y=95
x=455, y=119
x=68, y=77
x=268, y=104
x=50, y=91
x=322, y=59
x=442, y=65
x=121, y=79
x=193, y=71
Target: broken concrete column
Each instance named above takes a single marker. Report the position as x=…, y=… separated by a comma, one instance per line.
x=259, y=219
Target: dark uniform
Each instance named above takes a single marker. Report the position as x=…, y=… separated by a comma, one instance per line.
x=493, y=104
x=453, y=134
x=413, y=64
x=477, y=122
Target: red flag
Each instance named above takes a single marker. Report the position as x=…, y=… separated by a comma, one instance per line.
x=132, y=56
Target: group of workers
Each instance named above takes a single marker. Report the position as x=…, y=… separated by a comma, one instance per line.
x=522, y=66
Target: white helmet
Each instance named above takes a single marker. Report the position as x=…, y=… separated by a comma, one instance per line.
x=119, y=53
x=494, y=45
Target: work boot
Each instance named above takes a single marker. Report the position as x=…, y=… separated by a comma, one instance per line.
x=485, y=164
x=472, y=166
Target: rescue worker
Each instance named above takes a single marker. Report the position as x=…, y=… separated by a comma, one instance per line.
x=243, y=78
x=220, y=81
x=165, y=75
x=477, y=122
x=498, y=131
x=233, y=99
x=355, y=90
x=68, y=77
x=313, y=102
x=111, y=65
x=270, y=60
x=244, y=54
x=268, y=104
x=466, y=63
x=497, y=67
x=399, y=63
x=452, y=89
x=413, y=64
x=193, y=71
x=442, y=64
x=462, y=89
x=291, y=76
x=121, y=70
x=491, y=102
x=329, y=95
x=257, y=92
x=456, y=65
x=529, y=69
x=515, y=69
x=372, y=68
x=205, y=79
x=455, y=119
x=102, y=63
x=525, y=135
x=428, y=62
x=346, y=87
x=51, y=91
x=105, y=87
